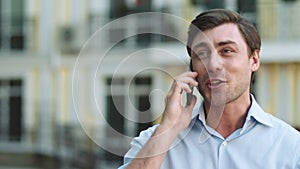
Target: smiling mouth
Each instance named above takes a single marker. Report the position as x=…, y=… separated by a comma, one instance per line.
x=215, y=83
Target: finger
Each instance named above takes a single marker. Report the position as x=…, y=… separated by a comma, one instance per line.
x=186, y=87
x=189, y=73
x=175, y=91
x=177, y=87
x=189, y=80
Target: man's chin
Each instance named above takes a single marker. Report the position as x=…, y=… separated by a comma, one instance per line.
x=216, y=98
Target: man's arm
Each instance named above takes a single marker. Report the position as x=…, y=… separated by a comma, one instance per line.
x=175, y=118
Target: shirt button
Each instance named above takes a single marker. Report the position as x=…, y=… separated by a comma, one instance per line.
x=224, y=143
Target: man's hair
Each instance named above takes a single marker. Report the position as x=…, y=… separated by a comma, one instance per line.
x=216, y=17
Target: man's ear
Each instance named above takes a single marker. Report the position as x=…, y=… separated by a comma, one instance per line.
x=255, y=60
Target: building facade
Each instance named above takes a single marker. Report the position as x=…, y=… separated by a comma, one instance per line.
x=80, y=78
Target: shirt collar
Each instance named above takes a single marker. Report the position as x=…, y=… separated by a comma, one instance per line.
x=257, y=113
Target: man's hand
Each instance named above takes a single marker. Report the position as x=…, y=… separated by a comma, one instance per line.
x=176, y=116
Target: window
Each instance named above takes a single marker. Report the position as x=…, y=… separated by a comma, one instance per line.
x=248, y=9
x=140, y=27
x=11, y=25
x=209, y=4
x=11, y=109
x=120, y=8
x=119, y=105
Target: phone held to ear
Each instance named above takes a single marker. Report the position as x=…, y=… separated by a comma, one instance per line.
x=189, y=96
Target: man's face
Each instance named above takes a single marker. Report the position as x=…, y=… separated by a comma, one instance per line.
x=220, y=57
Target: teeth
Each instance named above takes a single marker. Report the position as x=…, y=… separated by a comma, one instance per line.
x=215, y=82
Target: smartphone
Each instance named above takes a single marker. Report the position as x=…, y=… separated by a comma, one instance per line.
x=189, y=96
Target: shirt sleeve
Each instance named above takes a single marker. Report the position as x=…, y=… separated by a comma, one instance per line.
x=136, y=145
x=298, y=162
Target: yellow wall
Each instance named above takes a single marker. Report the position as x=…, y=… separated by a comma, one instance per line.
x=277, y=89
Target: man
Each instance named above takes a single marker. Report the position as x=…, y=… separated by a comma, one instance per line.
x=229, y=130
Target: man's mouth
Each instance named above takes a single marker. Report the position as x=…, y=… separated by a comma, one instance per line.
x=215, y=83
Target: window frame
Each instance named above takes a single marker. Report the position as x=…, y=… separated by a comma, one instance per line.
x=12, y=31
x=6, y=96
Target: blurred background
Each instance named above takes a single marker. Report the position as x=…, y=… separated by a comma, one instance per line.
x=40, y=41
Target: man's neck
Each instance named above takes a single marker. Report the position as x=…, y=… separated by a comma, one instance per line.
x=227, y=119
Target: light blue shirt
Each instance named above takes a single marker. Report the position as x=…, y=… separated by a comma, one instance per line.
x=264, y=142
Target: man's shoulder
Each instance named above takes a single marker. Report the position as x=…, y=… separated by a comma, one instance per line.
x=280, y=124
x=284, y=130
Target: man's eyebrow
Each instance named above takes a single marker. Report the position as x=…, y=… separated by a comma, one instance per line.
x=201, y=44
x=222, y=43
x=206, y=45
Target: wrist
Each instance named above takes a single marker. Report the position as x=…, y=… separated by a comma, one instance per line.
x=171, y=130
x=174, y=126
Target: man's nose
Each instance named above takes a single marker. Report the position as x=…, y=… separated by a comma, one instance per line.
x=214, y=63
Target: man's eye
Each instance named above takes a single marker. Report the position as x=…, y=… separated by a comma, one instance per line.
x=203, y=53
x=226, y=51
